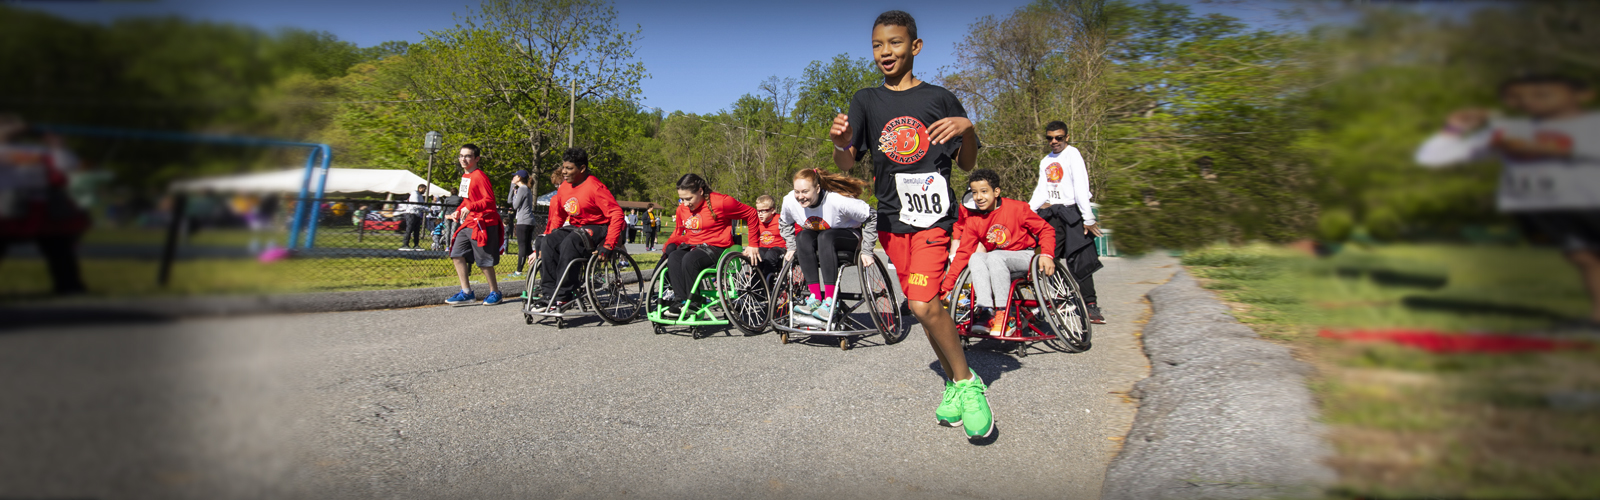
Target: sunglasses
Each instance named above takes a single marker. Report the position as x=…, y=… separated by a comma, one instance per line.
x=1054, y=138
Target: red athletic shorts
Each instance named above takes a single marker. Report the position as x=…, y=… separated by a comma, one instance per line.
x=920, y=259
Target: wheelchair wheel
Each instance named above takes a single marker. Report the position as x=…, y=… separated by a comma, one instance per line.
x=744, y=294
x=963, y=301
x=654, y=290
x=882, y=301
x=615, y=288
x=1064, y=308
x=790, y=284
x=531, y=289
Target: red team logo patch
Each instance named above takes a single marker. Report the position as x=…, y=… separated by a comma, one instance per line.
x=904, y=140
x=816, y=223
x=571, y=205
x=997, y=235
x=1053, y=173
x=767, y=238
x=693, y=224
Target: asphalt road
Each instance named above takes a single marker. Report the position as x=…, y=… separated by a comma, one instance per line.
x=462, y=402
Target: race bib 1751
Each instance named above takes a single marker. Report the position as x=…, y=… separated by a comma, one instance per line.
x=923, y=198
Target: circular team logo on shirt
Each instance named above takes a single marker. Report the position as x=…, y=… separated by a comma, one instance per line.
x=997, y=235
x=816, y=223
x=1053, y=172
x=571, y=205
x=767, y=238
x=904, y=140
x=693, y=224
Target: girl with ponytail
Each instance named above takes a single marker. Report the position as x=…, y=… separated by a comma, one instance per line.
x=704, y=230
x=828, y=207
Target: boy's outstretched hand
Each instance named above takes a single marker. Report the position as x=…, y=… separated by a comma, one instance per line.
x=840, y=133
x=949, y=128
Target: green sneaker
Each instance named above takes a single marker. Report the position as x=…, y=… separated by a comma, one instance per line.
x=975, y=415
x=949, y=411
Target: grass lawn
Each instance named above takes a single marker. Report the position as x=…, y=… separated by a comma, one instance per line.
x=1409, y=423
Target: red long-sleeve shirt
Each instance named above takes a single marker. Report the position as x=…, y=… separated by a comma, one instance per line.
x=712, y=222
x=1010, y=226
x=588, y=203
x=477, y=208
x=770, y=234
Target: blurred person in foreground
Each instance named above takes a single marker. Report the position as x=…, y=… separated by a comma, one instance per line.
x=34, y=204
x=1550, y=182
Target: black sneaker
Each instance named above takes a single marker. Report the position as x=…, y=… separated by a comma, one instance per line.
x=672, y=310
x=1094, y=314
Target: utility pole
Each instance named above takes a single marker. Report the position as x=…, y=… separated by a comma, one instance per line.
x=572, y=109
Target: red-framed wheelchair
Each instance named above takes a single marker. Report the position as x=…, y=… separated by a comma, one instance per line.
x=1044, y=309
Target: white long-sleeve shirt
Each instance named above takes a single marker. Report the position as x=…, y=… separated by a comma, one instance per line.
x=835, y=211
x=1063, y=180
x=1529, y=183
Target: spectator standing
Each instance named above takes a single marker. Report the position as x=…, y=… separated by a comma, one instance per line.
x=522, y=203
x=1062, y=198
x=651, y=223
x=411, y=213
x=633, y=221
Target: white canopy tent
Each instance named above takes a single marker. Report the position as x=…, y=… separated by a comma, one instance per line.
x=340, y=180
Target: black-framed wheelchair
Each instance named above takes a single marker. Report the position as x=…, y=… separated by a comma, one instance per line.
x=1048, y=309
x=611, y=287
x=871, y=308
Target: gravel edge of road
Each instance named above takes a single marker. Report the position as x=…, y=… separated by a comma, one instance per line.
x=1223, y=414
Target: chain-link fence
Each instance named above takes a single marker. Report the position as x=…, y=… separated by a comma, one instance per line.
x=388, y=242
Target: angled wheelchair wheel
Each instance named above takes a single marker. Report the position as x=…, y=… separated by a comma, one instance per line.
x=963, y=301
x=654, y=290
x=1064, y=308
x=744, y=294
x=789, y=285
x=882, y=301
x=615, y=287
x=531, y=290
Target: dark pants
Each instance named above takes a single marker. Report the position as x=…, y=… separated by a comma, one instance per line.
x=771, y=260
x=1073, y=247
x=824, y=246
x=61, y=258
x=524, y=234
x=684, y=263
x=559, y=249
x=413, y=230
x=649, y=239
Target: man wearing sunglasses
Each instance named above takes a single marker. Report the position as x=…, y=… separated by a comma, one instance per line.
x=1062, y=199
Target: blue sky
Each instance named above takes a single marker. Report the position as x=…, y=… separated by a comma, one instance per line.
x=701, y=55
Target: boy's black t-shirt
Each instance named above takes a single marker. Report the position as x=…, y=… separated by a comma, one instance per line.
x=906, y=169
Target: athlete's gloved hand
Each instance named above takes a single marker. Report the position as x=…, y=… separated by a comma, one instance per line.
x=603, y=253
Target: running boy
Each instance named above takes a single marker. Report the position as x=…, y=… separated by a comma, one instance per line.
x=914, y=132
x=478, y=231
x=829, y=208
x=1008, y=232
x=1551, y=180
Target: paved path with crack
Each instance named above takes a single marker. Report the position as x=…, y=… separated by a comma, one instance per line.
x=460, y=402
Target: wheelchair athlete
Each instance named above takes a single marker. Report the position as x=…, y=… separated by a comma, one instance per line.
x=1008, y=232
x=593, y=221
x=768, y=238
x=828, y=207
x=704, y=230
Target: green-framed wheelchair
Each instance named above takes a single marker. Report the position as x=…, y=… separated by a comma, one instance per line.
x=731, y=292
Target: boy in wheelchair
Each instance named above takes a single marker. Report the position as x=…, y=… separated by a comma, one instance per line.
x=585, y=205
x=768, y=238
x=829, y=208
x=1008, y=232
